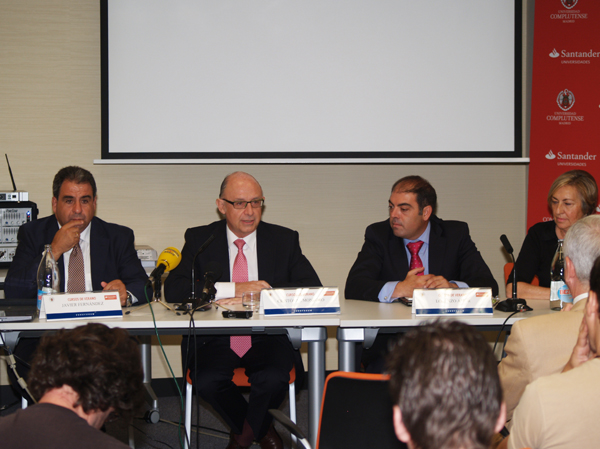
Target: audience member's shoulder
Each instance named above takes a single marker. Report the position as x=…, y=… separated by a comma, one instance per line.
x=545, y=323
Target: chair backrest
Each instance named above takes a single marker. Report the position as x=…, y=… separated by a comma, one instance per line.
x=508, y=269
x=357, y=413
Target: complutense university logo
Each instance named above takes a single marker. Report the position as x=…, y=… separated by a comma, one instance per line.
x=565, y=99
x=569, y=3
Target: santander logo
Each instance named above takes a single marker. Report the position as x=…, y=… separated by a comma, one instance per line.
x=554, y=54
x=550, y=155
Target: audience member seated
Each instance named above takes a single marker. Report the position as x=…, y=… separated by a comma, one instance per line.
x=573, y=195
x=80, y=377
x=560, y=411
x=541, y=345
x=445, y=388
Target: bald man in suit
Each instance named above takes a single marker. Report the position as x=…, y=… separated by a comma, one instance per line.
x=274, y=259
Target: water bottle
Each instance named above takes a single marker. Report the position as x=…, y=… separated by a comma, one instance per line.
x=559, y=291
x=48, y=278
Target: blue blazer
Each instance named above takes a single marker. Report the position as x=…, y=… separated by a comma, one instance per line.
x=112, y=253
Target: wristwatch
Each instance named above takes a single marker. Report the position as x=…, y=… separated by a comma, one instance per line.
x=128, y=301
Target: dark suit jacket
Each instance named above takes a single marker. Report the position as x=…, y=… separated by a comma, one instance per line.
x=280, y=259
x=452, y=254
x=112, y=254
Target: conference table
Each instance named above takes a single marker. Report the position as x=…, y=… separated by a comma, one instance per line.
x=358, y=323
x=310, y=329
x=361, y=321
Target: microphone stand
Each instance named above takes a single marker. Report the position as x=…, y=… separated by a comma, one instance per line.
x=157, y=297
x=513, y=304
x=192, y=303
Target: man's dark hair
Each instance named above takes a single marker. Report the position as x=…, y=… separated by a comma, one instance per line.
x=425, y=192
x=103, y=365
x=595, y=279
x=445, y=380
x=74, y=174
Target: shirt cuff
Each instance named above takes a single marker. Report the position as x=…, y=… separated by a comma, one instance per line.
x=386, y=292
x=460, y=284
x=225, y=290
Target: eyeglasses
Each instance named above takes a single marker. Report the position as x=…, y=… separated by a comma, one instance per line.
x=243, y=204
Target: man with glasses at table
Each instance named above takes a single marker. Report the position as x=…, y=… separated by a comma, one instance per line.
x=253, y=255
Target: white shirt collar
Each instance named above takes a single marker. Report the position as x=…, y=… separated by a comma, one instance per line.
x=250, y=239
x=580, y=297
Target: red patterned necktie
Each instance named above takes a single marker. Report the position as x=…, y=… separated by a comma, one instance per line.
x=76, y=282
x=240, y=344
x=415, y=260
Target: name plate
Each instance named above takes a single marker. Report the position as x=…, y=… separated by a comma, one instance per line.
x=452, y=301
x=83, y=306
x=301, y=301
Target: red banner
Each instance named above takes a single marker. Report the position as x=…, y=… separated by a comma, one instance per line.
x=565, y=100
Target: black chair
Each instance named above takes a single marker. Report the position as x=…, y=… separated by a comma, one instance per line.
x=356, y=413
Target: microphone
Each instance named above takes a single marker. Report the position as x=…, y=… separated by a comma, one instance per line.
x=507, y=246
x=168, y=259
x=212, y=272
x=513, y=304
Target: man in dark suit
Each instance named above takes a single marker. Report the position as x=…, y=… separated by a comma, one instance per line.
x=272, y=258
x=107, y=250
x=444, y=254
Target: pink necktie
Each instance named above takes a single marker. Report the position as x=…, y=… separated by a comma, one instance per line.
x=76, y=282
x=415, y=260
x=240, y=344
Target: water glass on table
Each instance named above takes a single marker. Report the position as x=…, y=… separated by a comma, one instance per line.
x=251, y=301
